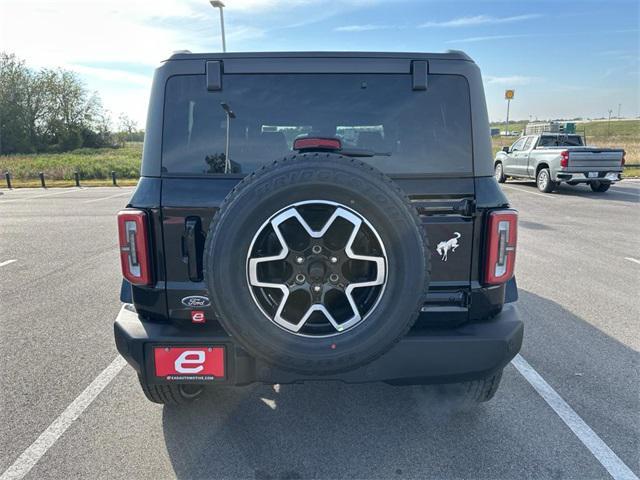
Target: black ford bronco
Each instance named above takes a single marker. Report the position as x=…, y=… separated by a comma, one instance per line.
x=317, y=216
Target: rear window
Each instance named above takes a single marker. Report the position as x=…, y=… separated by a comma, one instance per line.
x=560, y=141
x=410, y=131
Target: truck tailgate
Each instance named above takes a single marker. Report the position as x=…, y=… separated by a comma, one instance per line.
x=593, y=159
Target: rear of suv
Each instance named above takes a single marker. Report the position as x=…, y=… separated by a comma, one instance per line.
x=317, y=216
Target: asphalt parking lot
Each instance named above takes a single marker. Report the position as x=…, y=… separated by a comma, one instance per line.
x=578, y=270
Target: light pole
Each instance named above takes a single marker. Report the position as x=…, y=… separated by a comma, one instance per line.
x=220, y=5
x=609, y=123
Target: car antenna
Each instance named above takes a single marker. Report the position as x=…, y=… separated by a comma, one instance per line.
x=229, y=114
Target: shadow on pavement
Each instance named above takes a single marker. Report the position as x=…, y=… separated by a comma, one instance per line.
x=334, y=430
x=583, y=191
x=597, y=375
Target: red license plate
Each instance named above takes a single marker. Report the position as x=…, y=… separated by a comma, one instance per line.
x=189, y=363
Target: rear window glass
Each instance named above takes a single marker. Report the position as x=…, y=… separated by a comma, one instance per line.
x=560, y=141
x=410, y=131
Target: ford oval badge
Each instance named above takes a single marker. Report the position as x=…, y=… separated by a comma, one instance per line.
x=196, y=301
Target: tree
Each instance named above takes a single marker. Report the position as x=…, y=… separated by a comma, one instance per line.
x=128, y=130
x=48, y=110
x=13, y=78
x=126, y=124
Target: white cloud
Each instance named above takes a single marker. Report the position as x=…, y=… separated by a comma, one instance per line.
x=486, y=38
x=112, y=44
x=511, y=80
x=361, y=28
x=479, y=20
x=111, y=75
x=51, y=34
x=254, y=6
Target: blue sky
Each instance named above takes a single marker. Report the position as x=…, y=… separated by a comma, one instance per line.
x=564, y=59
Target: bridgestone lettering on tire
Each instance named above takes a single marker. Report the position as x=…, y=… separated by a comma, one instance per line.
x=317, y=263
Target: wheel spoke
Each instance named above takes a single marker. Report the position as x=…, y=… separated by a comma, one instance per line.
x=295, y=325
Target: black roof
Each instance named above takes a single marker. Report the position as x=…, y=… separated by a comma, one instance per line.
x=448, y=55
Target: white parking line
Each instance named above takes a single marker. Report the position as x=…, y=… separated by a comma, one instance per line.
x=7, y=262
x=609, y=460
x=107, y=198
x=30, y=457
x=27, y=460
x=545, y=195
x=634, y=260
x=40, y=196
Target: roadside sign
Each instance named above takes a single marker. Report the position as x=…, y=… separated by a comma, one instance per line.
x=508, y=94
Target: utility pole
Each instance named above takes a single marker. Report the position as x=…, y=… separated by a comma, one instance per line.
x=619, y=105
x=220, y=5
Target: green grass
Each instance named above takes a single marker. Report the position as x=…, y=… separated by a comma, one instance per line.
x=92, y=164
x=633, y=172
x=619, y=128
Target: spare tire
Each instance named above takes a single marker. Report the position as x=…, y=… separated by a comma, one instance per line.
x=317, y=263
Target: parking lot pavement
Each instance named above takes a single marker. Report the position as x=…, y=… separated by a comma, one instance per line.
x=578, y=296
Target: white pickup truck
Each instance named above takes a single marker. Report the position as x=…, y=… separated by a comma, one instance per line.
x=552, y=158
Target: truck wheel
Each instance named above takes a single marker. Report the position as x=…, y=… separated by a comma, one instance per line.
x=544, y=182
x=317, y=263
x=171, y=394
x=479, y=391
x=599, y=186
x=499, y=173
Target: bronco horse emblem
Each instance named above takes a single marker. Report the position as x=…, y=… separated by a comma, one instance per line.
x=444, y=246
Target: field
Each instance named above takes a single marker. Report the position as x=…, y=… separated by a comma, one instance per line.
x=95, y=165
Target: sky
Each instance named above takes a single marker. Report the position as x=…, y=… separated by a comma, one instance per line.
x=564, y=59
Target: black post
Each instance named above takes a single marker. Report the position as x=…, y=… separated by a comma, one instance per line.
x=113, y=178
x=7, y=175
x=76, y=175
x=42, y=180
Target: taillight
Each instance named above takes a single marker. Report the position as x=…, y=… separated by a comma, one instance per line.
x=564, y=159
x=308, y=143
x=624, y=153
x=502, y=236
x=134, y=249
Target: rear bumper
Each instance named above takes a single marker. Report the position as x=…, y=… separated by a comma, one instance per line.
x=464, y=353
x=582, y=177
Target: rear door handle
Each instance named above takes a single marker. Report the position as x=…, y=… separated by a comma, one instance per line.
x=190, y=248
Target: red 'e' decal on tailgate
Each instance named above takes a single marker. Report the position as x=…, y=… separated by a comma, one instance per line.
x=189, y=361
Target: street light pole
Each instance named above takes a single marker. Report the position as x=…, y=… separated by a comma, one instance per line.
x=220, y=5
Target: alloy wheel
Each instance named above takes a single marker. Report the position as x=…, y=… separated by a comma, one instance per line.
x=316, y=268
